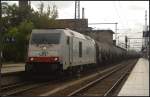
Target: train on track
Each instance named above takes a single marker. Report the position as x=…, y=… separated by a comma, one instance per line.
x=58, y=50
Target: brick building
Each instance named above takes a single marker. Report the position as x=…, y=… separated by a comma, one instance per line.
x=81, y=25
x=101, y=35
x=73, y=24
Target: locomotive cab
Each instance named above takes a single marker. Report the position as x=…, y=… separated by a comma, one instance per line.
x=44, y=48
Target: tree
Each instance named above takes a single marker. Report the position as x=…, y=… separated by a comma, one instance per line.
x=45, y=19
x=19, y=22
x=54, y=12
x=21, y=34
x=22, y=37
x=25, y=11
x=13, y=15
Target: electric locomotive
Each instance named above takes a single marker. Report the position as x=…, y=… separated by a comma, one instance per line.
x=53, y=50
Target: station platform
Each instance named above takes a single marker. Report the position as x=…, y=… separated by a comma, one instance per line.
x=7, y=68
x=137, y=83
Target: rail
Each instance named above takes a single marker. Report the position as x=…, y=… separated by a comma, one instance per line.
x=93, y=82
x=87, y=86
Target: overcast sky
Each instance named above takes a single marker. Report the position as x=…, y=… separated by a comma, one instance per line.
x=130, y=15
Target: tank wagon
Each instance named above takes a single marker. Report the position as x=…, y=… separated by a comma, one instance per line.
x=108, y=53
x=54, y=50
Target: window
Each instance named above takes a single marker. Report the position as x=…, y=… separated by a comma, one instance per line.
x=45, y=38
x=80, y=49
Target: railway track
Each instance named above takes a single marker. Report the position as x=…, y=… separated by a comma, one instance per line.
x=16, y=82
x=54, y=86
x=80, y=88
x=70, y=89
x=104, y=85
x=20, y=87
x=12, y=78
x=67, y=87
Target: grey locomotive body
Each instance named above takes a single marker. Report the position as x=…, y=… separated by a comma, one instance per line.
x=59, y=49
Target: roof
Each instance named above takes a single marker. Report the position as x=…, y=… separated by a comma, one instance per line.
x=71, y=19
x=61, y=30
x=120, y=48
x=46, y=30
x=77, y=34
x=103, y=31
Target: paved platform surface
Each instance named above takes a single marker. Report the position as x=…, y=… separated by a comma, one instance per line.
x=137, y=83
x=7, y=68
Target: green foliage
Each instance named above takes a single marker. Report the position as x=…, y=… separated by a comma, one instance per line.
x=44, y=19
x=17, y=51
x=18, y=22
x=12, y=31
x=8, y=48
x=25, y=27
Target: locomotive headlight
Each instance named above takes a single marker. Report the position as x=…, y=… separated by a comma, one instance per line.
x=55, y=59
x=31, y=59
x=44, y=48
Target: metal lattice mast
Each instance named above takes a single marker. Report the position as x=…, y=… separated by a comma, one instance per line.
x=77, y=9
x=146, y=21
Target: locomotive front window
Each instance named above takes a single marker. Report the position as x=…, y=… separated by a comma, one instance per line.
x=45, y=38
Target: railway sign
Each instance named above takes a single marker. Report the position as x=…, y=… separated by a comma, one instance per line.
x=9, y=39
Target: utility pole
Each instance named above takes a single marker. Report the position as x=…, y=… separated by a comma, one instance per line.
x=0, y=43
x=0, y=10
x=23, y=3
x=83, y=16
x=126, y=41
x=146, y=28
x=146, y=37
x=116, y=31
x=24, y=6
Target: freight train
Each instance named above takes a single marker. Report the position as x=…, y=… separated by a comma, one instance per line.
x=54, y=50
